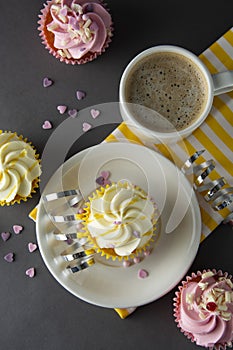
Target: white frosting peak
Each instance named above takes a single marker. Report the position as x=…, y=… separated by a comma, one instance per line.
x=122, y=218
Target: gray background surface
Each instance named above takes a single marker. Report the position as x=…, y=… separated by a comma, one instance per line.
x=38, y=313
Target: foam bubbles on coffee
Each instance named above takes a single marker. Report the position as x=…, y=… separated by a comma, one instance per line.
x=170, y=84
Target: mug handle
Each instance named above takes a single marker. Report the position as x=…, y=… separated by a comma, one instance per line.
x=223, y=82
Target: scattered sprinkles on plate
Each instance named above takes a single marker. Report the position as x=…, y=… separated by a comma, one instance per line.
x=142, y=273
x=94, y=113
x=103, y=179
x=73, y=112
x=86, y=126
x=137, y=259
x=126, y=263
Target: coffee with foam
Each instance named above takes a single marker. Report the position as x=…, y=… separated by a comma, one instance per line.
x=167, y=91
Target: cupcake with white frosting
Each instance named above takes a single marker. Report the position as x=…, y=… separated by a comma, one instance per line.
x=19, y=169
x=75, y=31
x=119, y=220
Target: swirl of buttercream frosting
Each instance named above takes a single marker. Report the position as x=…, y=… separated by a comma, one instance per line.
x=122, y=218
x=18, y=167
x=79, y=27
x=206, y=309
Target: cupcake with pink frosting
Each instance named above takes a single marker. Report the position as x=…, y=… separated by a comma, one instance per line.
x=203, y=309
x=75, y=31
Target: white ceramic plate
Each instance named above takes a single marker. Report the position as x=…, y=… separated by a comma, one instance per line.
x=108, y=284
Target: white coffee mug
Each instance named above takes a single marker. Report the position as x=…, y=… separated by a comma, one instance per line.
x=215, y=84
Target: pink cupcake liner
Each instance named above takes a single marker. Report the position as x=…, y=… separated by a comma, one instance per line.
x=87, y=58
x=176, y=305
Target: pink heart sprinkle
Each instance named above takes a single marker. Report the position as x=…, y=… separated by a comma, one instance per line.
x=143, y=273
x=79, y=226
x=86, y=126
x=136, y=234
x=17, y=229
x=107, y=182
x=47, y=125
x=95, y=113
x=30, y=272
x=72, y=113
x=47, y=82
x=105, y=174
x=32, y=247
x=147, y=252
x=9, y=257
x=69, y=241
x=61, y=109
x=5, y=236
x=100, y=180
x=137, y=260
x=117, y=222
x=126, y=263
x=80, y=94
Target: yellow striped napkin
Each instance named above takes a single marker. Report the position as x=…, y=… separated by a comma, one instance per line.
x=215, y=135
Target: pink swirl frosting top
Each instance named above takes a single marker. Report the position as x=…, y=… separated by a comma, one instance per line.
x=79, y=27
x=206, y=310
